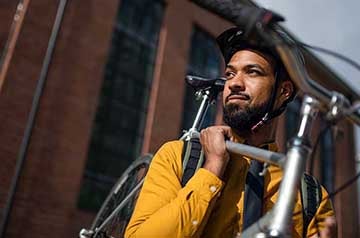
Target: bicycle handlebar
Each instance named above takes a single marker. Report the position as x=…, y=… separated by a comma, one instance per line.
x=298, y=74
x=245, y=15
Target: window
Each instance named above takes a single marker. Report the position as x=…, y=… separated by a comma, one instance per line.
x=118, y=128
x=204, y=60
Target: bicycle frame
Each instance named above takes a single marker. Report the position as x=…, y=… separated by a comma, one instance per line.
x=276, y=222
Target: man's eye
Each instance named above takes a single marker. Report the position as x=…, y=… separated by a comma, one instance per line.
x=229, y=74
x=254, y=72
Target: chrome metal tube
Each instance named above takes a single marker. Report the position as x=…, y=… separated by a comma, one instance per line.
x=201, y=112
x=308, y=112
x=291, y=58
x=261, y=155
x=283, y=209
x=297, y=155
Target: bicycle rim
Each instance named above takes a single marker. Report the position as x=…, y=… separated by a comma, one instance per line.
x=115, y=212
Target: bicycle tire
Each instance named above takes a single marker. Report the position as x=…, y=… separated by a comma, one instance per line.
x=111, y=220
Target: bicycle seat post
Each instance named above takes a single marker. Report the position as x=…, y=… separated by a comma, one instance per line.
x=206, y=89
x=205, y=94
x=205, y=102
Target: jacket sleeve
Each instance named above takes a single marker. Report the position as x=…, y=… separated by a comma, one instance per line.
x=164, y=208
x=324, y=211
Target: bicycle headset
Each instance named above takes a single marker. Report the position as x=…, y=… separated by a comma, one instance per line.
x=233, y=40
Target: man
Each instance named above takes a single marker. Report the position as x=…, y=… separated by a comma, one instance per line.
x=211, y=204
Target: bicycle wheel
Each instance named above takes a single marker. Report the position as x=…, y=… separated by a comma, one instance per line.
x=115, y=212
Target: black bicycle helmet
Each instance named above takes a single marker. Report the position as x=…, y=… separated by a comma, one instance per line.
x=233, y=40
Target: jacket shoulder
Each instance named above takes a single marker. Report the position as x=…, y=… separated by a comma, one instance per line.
x=169, y=156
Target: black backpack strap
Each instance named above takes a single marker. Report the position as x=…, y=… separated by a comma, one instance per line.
x=192, y=158
x=254, y=193
x=311, y=196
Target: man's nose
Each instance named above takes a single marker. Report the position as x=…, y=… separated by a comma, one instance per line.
x=236, y=84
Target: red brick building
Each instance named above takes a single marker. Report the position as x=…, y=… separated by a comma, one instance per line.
x=115, y=89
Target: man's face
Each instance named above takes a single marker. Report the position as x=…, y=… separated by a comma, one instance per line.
x=250, y=79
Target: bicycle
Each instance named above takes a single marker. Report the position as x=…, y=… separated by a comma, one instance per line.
x=275, y=223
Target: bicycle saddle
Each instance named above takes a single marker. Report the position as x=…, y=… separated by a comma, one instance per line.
x=199, y=83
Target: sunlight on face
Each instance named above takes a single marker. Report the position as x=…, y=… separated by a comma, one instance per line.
x=250, y=78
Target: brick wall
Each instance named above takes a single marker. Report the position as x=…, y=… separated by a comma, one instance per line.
x=45, y=202
x=47, y=193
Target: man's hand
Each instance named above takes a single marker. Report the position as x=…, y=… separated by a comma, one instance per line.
x=330, y=229
x=212, y=140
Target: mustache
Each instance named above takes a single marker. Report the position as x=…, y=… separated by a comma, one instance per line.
x=242, y=94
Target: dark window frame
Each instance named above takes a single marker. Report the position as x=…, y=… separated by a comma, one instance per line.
x=118, y=127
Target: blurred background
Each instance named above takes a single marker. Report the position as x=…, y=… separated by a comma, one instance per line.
x=88, y=86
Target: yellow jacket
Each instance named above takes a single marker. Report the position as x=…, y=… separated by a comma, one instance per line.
x=207, y=206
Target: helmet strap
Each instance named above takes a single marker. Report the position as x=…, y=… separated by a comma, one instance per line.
x=270, y=113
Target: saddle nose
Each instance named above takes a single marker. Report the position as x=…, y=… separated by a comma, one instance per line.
x=200, y=83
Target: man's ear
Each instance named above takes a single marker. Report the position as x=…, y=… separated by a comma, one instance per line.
x=286, y=90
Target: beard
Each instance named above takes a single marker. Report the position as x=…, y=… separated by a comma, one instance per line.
x=242, y=120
